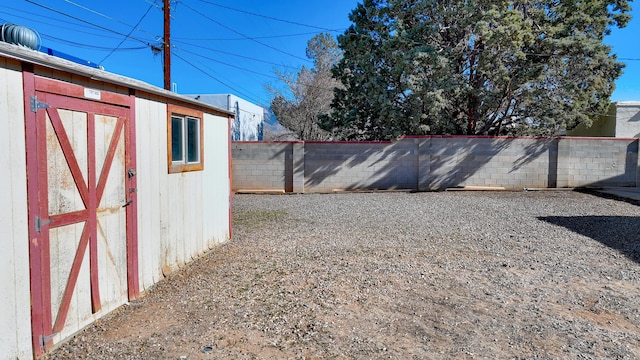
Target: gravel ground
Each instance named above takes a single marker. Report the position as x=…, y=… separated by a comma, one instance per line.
x=548, y=274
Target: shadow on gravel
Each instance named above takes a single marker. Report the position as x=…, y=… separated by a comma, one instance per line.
x=621, y=233
x=597, y=193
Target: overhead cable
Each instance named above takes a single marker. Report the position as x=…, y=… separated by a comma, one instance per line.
x=237, y=55
x=39, y=21
x=129, y=34
x=87, y=22
x=88, y=46
x=255, y=37
x=114, y=19
x=214, y=78
x=270, y=17
x=230, y=65
x=241, y=34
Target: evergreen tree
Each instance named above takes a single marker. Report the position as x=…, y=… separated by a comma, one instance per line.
x=490, y=67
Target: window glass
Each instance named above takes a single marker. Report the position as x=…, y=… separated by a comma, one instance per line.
x=177, y=145
x=184, y=139
x=193, y=140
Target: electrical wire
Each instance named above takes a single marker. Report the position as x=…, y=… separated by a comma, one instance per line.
x=237, y=55
x=241, y=34
x=58, y=20
x=114, y=19
x=215, y=78
x=87, y=22
x=87, y=46
x=255, y=37
x=129, y=34
x=249, y=70
x=227, y=64
x=270, y=17
x=57, y=25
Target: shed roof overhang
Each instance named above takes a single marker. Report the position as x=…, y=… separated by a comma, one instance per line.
x=41, y=59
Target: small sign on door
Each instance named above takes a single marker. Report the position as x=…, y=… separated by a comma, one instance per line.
x=92, y=94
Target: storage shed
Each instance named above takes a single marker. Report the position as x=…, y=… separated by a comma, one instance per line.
x=108, y=184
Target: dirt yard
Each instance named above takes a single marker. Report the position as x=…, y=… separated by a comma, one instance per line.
x=464, y=275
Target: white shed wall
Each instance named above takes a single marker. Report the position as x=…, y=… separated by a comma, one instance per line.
x=15, y=312
x=216, y=191
x=182, y=215
x=151, y=152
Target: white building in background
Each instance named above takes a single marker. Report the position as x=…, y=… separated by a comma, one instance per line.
x=249, y=120
x=621, y=121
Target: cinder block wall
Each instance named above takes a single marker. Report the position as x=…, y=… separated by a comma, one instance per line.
x=589, y=161
x=364, y=165
x=494, y=162
x=262, y=166
x=435, y=163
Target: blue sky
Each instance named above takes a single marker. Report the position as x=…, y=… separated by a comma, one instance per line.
x=220, y=46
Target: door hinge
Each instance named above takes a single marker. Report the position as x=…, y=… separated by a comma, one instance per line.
x=40, y=223
x=35, y=104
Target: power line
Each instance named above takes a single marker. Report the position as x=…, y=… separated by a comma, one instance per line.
x=214, y=78
x=230, y=65
x=237, y=55
x=255, y=37
x=252, y=71
x=56, y=24
x=241, y=34
x=271, y=18
x=114, y=19
x=87, y=22
x=87, y=46
x=129, y=34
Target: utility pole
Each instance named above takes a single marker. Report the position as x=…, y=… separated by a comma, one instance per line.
x=167, y=44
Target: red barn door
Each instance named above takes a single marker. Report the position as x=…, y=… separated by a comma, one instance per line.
x=82, y=191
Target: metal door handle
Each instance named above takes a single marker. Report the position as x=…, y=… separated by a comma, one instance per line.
x=127, y=203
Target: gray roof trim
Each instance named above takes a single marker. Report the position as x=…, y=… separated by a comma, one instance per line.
x=45, y=60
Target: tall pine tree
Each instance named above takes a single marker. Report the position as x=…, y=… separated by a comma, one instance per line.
x=474, y=67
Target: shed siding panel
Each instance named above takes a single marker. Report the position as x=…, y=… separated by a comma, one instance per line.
x=15, y=315
x=195, y=208
x=151, y=129
x=217, y=181
x=173, y=217
x=180, y=215
x=184, y=194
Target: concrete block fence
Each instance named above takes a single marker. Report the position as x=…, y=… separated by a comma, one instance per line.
x=435, y=163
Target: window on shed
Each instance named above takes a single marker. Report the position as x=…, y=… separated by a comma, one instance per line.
x=185, y=148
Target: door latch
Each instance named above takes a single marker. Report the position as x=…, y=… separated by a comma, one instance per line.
x=131, y=173
x=127, y=203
